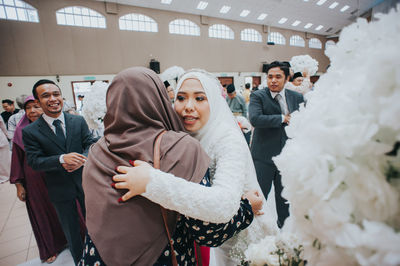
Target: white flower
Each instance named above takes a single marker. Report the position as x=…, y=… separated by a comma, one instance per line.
x=301, y=63
x=334, y=167
x=94, y=105
x=263, y=252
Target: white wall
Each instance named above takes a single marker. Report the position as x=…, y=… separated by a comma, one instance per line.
x=23, y=85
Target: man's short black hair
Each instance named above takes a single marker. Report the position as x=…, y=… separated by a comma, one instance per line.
x=41, y=82
x=230, y=88
x=297, y=75
x=8, y=101
x=282, y=65
x=247, y=85
x=287, y=64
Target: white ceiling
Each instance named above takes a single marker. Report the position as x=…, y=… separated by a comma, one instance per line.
x=305, y=11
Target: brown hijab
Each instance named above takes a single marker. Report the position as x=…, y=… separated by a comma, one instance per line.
x=138, y=110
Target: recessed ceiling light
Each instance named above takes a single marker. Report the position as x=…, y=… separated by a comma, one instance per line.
x=262, y=16
x=344, y=8
x=282, y=20
x=319, y=27
x=202, y=5
x=306, y=0
x=308, y=25
x=333, y=5
x=225, y=9
x=244, y=13
x=297, y=22
x=321, y=2
x=167, y=2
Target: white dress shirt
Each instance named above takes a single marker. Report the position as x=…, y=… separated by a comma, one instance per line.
x=49, y=120
x=282, y=93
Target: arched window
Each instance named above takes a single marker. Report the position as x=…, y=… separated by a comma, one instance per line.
x=315, y=43
x=329, y=43
x=137, y=22
x=184, y=27
x=250, y=35
x=220, y=31
x=81, y=17
x=276, y=38
x=296, y=40
x=18, y=10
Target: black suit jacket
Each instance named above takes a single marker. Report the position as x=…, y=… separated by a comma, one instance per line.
x=265, y=115
x=43, y=152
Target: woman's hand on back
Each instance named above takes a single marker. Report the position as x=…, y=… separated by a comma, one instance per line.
x=134, y=179
x=255, y=200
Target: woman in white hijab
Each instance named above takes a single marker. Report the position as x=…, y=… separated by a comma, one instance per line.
x=231, y=170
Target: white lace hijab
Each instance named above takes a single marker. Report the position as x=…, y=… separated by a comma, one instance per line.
x=220, y=123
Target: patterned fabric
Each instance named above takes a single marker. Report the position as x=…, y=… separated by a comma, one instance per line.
x=187, y=231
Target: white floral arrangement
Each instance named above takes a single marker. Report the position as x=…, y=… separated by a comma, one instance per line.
x=304, y=63
x=94, y=105
x=341, y=166
x=275, y=250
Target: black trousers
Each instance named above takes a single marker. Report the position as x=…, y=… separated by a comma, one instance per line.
x=68, y=215
x=267, y=173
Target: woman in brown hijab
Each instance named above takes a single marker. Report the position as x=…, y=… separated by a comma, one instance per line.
x=132, y=232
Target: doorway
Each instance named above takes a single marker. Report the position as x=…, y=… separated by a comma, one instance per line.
x=253, y=80
x=225, y=80
x=79, y=89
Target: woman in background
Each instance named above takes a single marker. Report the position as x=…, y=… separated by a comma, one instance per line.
x=32, y=190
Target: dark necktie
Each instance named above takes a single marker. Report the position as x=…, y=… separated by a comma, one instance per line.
x=282, y=104
x=59, y=131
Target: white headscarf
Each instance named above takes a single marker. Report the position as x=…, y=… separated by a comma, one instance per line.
x=221, y=120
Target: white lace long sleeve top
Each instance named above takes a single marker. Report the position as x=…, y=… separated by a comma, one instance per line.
x=216, y=204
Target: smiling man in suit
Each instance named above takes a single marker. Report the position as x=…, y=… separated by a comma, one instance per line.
x=269, y=113
x=57, y=143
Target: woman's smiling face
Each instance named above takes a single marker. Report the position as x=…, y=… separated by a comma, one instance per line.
x=192, y=105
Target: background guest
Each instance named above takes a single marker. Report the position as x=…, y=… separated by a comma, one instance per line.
x=57, y=143
x=235, y=102
x=9, y=110
x=170, y=91
x=269, y=112
x=31, y=189
x=14, y=119
x=300, y=83
x=246, y=93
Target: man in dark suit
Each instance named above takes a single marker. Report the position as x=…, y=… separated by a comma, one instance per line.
x=56, y=144
x=269, y=113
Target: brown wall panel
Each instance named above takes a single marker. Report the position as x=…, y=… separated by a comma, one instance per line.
x=46, y=48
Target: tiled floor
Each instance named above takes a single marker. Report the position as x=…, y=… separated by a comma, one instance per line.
x=17, y=242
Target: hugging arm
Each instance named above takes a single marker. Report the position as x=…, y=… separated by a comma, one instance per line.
x=215, y=234
x=217, y=204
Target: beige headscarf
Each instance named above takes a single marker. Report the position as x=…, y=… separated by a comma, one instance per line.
x=138, y=110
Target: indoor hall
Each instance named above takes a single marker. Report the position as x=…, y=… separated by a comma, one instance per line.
x=342, y=137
